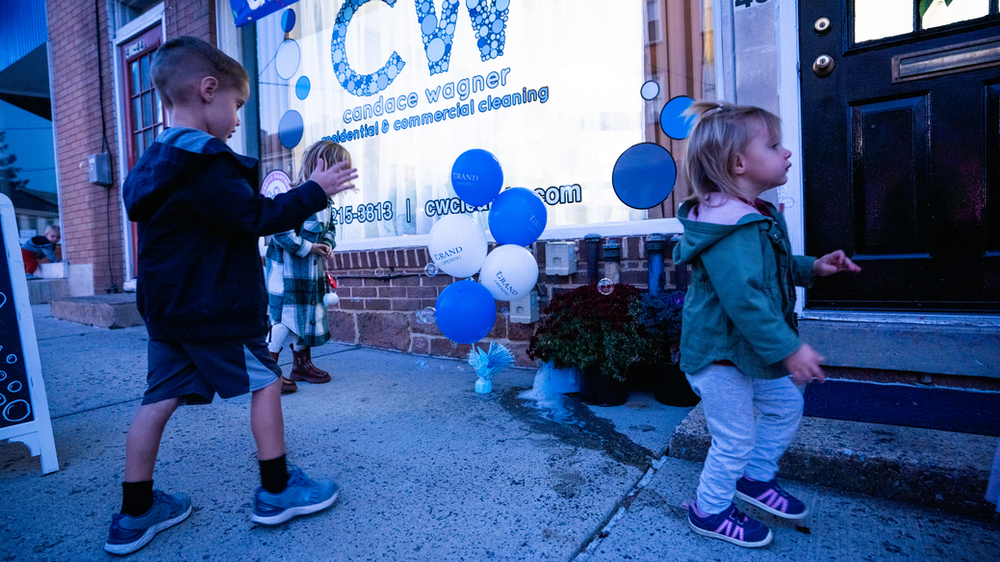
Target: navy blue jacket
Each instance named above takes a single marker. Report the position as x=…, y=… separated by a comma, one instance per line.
x=199, y=217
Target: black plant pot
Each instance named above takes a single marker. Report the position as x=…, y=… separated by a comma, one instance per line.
x=597, y=389
x=671, y=387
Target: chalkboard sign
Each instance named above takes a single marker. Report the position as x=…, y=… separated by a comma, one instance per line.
x=24, y=409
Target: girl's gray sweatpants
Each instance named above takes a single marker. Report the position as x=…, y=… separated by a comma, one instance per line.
x=740, y=444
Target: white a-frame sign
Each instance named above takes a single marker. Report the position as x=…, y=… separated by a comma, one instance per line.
x=24, y=409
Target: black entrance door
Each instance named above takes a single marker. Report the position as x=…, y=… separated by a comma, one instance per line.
x=901, y=151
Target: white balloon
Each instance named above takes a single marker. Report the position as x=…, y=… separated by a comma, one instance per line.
x=331, y=299
x=457, y=245
x=509, y=272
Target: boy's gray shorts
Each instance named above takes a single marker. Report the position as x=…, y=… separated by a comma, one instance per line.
x=196, y=371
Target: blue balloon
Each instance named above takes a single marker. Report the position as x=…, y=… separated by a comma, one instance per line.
x=476, y=177
x=465, y=311
x=517, y=216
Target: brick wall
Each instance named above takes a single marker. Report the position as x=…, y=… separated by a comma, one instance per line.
x=381, y=290
x=91, y=214
x=186, y=17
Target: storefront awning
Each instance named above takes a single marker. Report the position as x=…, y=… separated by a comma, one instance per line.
x=247, y=11
x=22, y=29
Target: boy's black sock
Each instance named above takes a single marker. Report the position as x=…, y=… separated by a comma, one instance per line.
x=137, y=497
x=274, y=475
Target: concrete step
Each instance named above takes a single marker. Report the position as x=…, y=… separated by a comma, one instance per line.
x=105, y=311
x=928, y=467
x=42, y=291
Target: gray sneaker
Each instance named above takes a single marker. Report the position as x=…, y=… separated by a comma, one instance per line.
x=302, y=495
x=128, y=533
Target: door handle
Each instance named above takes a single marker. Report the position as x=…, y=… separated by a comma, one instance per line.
x=823, y=65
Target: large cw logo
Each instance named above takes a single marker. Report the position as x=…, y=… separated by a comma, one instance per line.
x=488, y=22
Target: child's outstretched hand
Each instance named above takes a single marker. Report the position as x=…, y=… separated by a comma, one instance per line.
x=335, y=179
x=804, y=365
x=834, y=263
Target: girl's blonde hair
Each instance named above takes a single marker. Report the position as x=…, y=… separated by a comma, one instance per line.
x=720, y=131
x=329, y=151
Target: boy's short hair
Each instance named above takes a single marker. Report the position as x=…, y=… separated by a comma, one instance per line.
x=180, y=64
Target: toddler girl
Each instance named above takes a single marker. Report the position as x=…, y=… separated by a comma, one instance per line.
x=740, y=346
x=294, y=270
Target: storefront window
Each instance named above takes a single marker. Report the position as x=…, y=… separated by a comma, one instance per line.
x=554, y=89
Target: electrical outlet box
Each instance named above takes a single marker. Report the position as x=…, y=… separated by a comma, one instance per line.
x=99, y=169
x=525, y=309
x=560, y=258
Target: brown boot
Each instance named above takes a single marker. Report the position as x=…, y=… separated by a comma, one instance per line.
x=304, y=370
x=287, y=385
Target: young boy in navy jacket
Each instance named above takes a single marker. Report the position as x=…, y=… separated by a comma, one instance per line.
x=201, y=288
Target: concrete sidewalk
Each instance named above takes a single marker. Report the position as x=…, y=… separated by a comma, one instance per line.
x=429, y=470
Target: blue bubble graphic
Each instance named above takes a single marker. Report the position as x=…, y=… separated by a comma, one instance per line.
x=359, y=85
x=675, y=125
x=290, y=129
x=435, y=50
x=644, y=175
x=302, y=86
x=286, y=60
x=437, y=40
x=650, y=90
x=490, y=36
x=429, y=24
x=288, y=20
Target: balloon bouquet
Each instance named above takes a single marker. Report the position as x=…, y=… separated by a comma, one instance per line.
x=465, y=311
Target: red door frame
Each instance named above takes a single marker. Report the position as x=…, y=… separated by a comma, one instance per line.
x=142, y=113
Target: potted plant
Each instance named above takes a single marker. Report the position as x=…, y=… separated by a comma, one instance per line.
x=659, y=319
x=594, y=332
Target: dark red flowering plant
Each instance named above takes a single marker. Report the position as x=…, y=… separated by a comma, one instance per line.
x=585, y=328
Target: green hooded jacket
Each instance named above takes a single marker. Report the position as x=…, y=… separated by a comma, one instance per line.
x=740, y=305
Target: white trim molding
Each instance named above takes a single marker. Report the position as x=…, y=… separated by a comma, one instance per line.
x=571, y=232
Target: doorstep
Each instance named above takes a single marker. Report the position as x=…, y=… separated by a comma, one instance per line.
x=117, y=310
x=928, y=467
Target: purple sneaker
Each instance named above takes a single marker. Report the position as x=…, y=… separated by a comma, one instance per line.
x=731, y=526
x=771, y=498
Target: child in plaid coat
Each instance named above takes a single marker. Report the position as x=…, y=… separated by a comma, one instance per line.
x=294, y=270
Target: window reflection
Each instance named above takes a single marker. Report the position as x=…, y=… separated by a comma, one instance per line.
x=940, y=13
x=878, y=19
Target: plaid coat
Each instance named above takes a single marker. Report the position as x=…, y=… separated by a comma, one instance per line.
x=295, y=285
